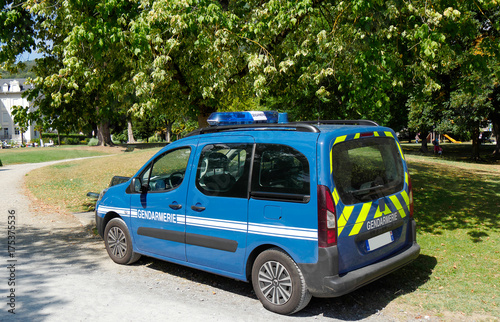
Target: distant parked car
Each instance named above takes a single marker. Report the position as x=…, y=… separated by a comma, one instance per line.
x=486, y=137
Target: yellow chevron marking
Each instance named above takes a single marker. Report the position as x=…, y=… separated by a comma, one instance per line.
x=406, y=198
x=357, y=136
x=398, y=206
x=337, y=140
x=400, y=150
x=340, y=139
x=344, y=218
x=335, y=196
x=406, y=179
x=361, y=218
x=376, y=134
x=387, y=133
x=331, y=161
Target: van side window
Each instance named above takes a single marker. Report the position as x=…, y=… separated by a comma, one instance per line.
x=279, y=171
x=168, y=170
x=223, y=170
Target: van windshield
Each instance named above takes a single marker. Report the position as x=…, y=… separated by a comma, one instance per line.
x=367, y=169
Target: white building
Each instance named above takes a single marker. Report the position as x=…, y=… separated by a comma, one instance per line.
x=11, y=95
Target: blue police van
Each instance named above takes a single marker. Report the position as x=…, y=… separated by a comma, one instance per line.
x=298, y=209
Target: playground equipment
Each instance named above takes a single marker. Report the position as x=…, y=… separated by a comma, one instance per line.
x=452, y=140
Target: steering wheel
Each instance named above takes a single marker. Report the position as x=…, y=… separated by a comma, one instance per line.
x=175, y=179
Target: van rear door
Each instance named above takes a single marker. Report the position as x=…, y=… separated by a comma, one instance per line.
x=371, y=194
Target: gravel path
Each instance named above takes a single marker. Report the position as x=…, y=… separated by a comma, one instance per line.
x=62, y=272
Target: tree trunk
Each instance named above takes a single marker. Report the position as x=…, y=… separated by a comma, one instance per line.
x=423, y=138
x=130, y=132
x=495, y=119
x=202, y=120
x=104, y=134
x=475, y=143
x=203, y=115
x=168, y=130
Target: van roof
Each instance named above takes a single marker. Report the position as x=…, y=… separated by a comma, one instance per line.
x=305, y=126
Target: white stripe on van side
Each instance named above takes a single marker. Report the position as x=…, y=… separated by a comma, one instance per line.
x=121, y=211
x=283, y=231
x=216, y=223
x=230, y=225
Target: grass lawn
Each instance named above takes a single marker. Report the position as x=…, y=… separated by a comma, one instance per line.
x=36, y=155
x=457, y=209
x=70, y=181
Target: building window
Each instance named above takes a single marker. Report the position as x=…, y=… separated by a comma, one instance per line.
x=16, y=131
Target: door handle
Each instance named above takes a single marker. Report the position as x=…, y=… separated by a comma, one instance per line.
x=196, y=208
x=175, y=206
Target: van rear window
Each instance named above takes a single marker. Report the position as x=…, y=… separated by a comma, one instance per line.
x=367, y=169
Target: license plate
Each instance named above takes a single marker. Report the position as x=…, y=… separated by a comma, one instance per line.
x=379, y=241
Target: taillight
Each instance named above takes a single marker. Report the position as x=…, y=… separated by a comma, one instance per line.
x=410, y=192
x=327, y=221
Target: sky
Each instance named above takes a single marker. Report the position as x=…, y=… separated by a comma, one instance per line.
x=29, y=56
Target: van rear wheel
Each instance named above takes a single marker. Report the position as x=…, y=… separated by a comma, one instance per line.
x=278, y=282
x=118, y=242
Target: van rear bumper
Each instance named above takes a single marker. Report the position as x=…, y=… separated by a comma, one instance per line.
x=320, y=285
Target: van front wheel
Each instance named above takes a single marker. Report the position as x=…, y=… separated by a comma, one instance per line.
x=279, y=283
x=118, y=242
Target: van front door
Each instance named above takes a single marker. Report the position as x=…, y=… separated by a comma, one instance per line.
x=217, y=204
x=158, y=204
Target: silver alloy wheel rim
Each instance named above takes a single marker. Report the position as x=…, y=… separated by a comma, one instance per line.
x=117, y=242
x=275, y=282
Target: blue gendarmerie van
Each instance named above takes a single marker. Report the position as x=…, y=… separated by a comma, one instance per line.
x=297, y=209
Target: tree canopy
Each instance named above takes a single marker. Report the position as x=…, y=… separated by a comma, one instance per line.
x=422, y=65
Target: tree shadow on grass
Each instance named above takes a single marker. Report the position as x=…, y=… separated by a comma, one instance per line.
x=448, y=198
x=374, y=297
x=455, y=152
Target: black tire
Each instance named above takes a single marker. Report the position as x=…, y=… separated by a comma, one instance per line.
x=278, y=282
x=118, y=242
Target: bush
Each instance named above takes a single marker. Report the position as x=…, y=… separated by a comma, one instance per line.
x=93, y=142
x=154, y=139
x=72, y=141
x=53, y=136
x=121, y=137
x=1, y=165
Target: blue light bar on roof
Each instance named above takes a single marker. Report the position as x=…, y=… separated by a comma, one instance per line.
x=234, y=118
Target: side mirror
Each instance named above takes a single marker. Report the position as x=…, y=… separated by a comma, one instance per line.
x=144, y=188
x=138, y=186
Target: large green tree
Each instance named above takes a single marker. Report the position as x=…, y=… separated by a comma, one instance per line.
x=200, y=53
x=457, y=67
x=432, y=63
x=85, y=75
x=17, y=34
